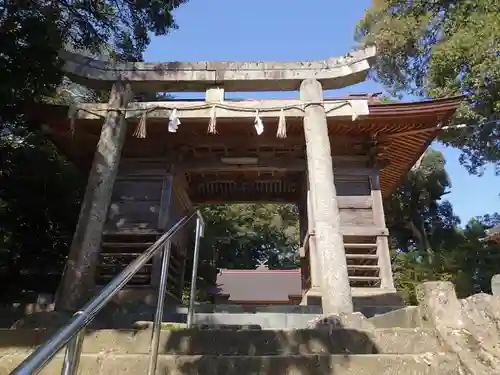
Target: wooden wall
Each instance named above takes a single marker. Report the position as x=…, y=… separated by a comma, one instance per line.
x=146, y=197
x=362, y=224
x=147, y=200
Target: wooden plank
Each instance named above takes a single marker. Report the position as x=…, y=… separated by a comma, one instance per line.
x=352, y=186
x=361, y=256
x=121, y=266
x=137, y=277
x=360, y=245
x=355, y=202
x=120, y=254
x=137, y=190
x=217, y=164
x=364, y=278
x=362, y=267
x=124, y=233
x=356, y=217
x=364, y=231
x=127, y=244
x=132, y=214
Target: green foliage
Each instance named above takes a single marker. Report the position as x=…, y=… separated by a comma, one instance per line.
x=40, y=191
x=39, y=204
x=33, y=32
x=463, y=259
x=426, y=239
x=240, y=235
x=413, y=213
x=443, y=48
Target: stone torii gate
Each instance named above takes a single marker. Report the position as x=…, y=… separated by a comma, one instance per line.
x=310, y=77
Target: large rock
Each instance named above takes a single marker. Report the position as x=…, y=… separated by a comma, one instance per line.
x=469, y=327
x=495, y=285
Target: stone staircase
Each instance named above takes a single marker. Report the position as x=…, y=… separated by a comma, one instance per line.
x=441, y=336
x=322, y=351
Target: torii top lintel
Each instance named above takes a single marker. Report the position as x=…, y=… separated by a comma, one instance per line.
x=333, y=73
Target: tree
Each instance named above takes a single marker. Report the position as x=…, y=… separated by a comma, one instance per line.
x=239, y=235
x=438, y=48
x=414, y=215
x=426, y=240
x=39, y=202
x=39, y=189
x=33, y=32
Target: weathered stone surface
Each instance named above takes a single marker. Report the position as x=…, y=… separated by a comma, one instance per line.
x=349, y=321
x=232, y=76
x=495, y=285
x=133, y=364
x=408, y=317
x=469, y=327
x=264, y=343
x=336, y=295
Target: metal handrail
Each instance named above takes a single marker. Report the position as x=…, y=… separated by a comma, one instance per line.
x=71, y=335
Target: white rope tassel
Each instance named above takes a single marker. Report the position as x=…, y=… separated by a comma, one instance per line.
x=358, y=107
x=173, y=121
x=259, y=126
x=281, y=133
x=212, y=121
x=140, y=131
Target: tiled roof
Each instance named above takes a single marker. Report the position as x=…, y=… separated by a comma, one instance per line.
x=260, y=285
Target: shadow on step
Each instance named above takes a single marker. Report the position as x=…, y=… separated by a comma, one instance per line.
x=265, y=352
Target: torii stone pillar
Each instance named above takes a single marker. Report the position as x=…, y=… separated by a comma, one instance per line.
x=335, y=288
x=313, y=252
x=78, y=281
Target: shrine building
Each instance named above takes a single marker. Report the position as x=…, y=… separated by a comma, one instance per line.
x=151, y=163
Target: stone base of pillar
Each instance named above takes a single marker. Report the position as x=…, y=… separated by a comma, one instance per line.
x=362, y=298
x=311, y=297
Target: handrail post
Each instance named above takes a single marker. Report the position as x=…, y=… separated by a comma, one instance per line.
x=192, y=295
x=73, y=353
x=72, y=334
x=162, y=291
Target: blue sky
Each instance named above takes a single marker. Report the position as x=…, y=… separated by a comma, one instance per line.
x=297, y=30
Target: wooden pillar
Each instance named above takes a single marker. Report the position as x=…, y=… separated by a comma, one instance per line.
x=335, y=289
x=384, y=256
x=78, y=281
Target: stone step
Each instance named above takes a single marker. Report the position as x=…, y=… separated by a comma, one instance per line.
x=126, y=244
x=228, y=342
x=133, y=364
x=271, y=320
x=232, y=308
x=264, y=320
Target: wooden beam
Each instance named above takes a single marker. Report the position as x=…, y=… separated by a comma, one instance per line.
x=213, y=165
x=244, y=198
